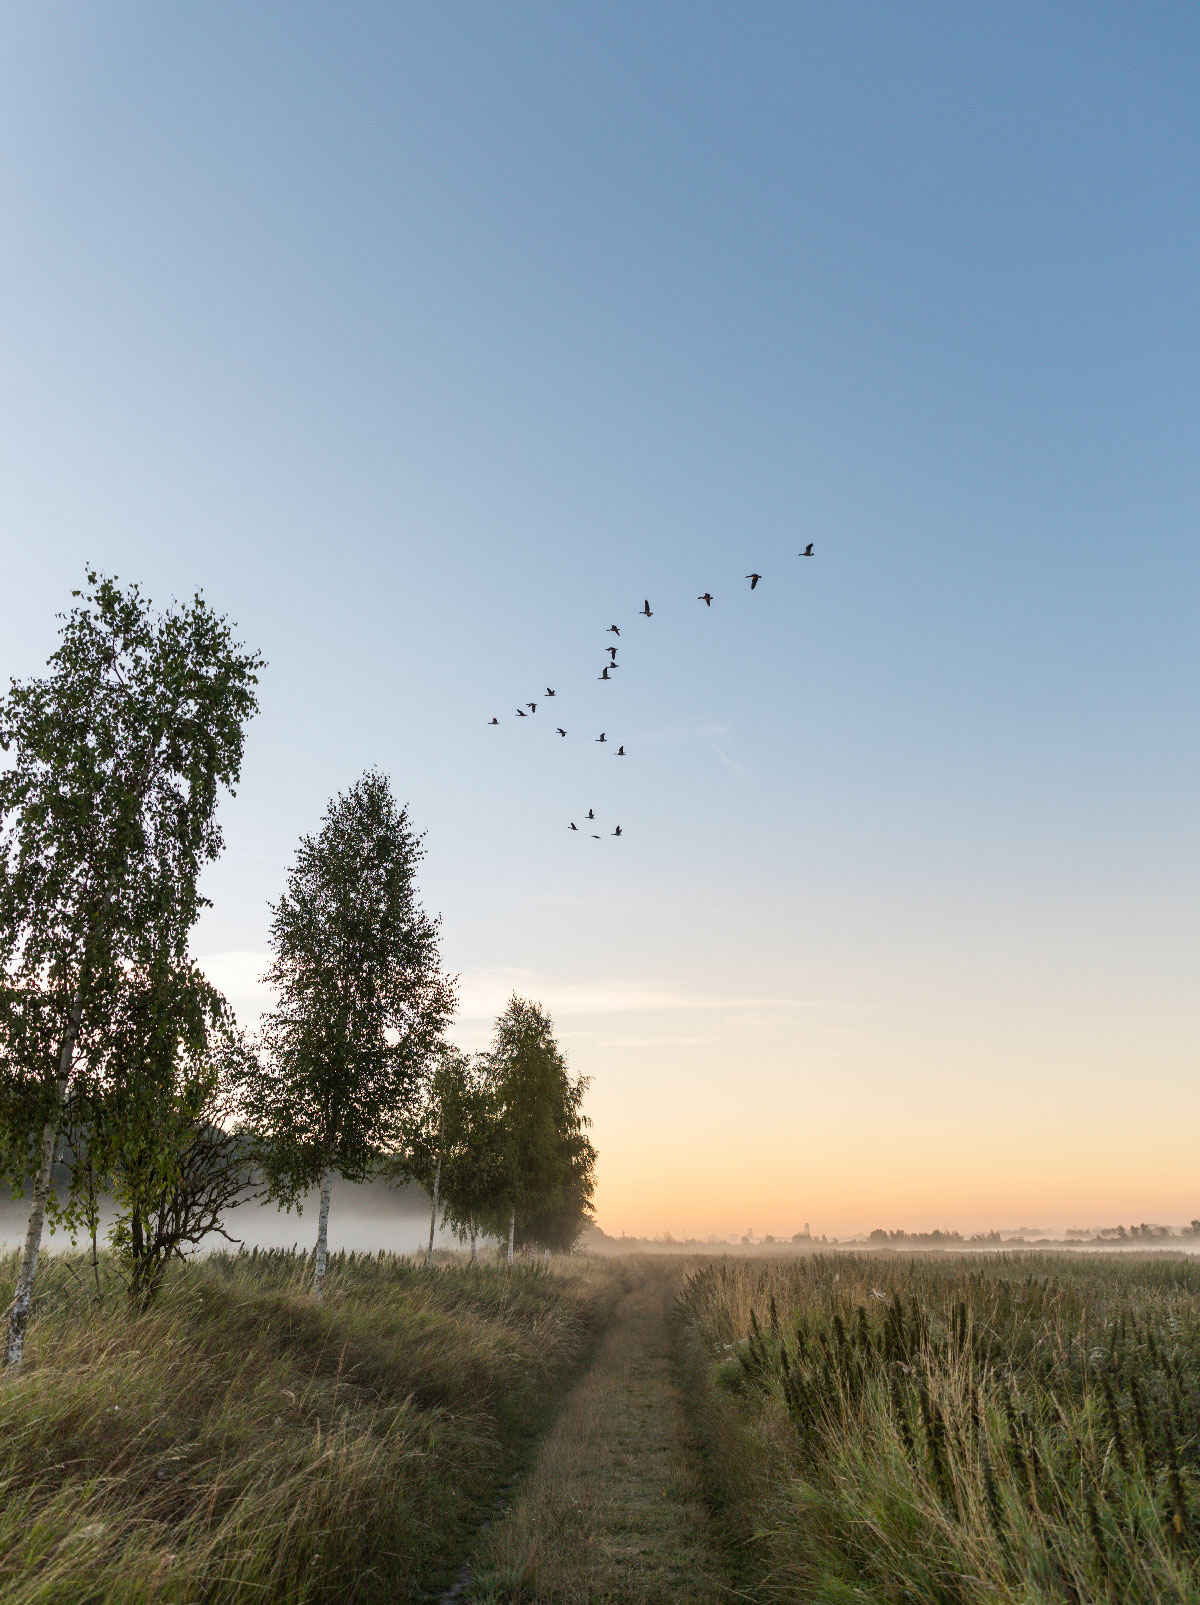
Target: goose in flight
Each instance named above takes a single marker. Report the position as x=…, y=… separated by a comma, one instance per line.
x=612, y=652
x=602, y=737
x=620, y=752
x=550, y=693
x=646, y=613
x=706, y=599
x=591, y=814
x=532, y=706
x=521, y=714
x=807, y=552
x=612, y=630
x=603, y=676
x=754, y=579
x=595, y=838
x=560, y=730
x=572, y=826
x=493, y=721
x=617, y=832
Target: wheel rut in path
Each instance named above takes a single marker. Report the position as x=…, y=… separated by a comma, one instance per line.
x=610, y=1514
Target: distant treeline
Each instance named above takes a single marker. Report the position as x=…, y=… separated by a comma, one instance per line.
x=123, y=1072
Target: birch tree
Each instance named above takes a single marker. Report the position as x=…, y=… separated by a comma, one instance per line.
x=451, y=1150
x=107, y=816
x=362, y=1003
x=546, y=1161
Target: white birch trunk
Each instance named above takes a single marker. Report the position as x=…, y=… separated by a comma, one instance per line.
x=18, y=1311
x=512, y=1232
x=474, y=1247
x=437, y=1183
x=322, y=1237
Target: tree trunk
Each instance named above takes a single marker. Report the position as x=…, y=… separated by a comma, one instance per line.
x=474, y=1247
x=512, y=1232
x=437, y=1183
x=18, y=1310
x=322, y=1236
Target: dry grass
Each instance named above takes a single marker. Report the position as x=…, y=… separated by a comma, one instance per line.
x=1020, y=1429
x=240, y=1442
x=609, y=1514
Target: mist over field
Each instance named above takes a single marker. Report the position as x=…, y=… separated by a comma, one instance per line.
x=362, y=1219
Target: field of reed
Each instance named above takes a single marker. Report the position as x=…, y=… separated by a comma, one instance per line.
x=928, y=1430
x=241, y=1441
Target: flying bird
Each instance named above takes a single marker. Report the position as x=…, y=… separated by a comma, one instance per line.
x=560, y=730
x=612, y=651
x=807, y=552
x=572, y=826
x=612, y=630
x=532, y=706
x=602, y=737
x=706, y=599
x=646, y=613
x=603, y=676
x=754, y=579
x=620, y=752
x=550, y=693
x=493, y=721
x=591, y=814
x=595, y=838
x=521, y=714
x=617, y=832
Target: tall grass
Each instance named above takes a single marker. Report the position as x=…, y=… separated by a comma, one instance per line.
x=241, y=1442
x=950, y=1432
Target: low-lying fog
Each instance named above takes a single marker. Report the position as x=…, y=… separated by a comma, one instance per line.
x=362, y=1218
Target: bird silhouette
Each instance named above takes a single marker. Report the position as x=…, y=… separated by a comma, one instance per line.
x=612, y=652
x=521, y=714
x=617, y=832
x=595, y=838
x=532, y=706
x=550, y=693
x=493, y=721
x=612, y=630
x=591, y=814
x=706, y=599
x=807, y=552
x=620, y=752
x=560, y=730
x=602, y=737
x=754, y=579
x=646, y=613
x=572, y=826
x=603, y=676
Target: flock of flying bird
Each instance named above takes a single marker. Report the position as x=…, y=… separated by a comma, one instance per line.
x=531, y=708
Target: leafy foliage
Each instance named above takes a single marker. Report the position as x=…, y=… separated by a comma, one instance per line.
x=362, y=1000
x=546, y=1163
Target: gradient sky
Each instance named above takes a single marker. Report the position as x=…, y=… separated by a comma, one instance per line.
x=429, y=340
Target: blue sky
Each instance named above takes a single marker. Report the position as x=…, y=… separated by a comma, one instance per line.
x=429, y=340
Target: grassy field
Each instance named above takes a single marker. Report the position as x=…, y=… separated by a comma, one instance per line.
x=241, y=1442
x=953, y=1431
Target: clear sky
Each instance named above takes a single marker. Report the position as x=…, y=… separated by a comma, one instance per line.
x=429, y=340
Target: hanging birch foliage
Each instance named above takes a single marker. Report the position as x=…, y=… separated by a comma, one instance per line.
x=362, y=1002
x=107, y=816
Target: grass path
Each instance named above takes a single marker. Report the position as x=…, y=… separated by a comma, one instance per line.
x=610, y=1511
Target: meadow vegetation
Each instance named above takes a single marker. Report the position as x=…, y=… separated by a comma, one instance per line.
x=953, y=1431
x=240, y=1440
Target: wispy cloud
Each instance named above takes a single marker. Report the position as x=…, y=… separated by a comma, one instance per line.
x=239, y=976
x=484, y=992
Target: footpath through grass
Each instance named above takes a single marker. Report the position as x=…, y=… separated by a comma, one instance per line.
x=241, y=1442
x=1007, y=1430
x=610, y=1513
